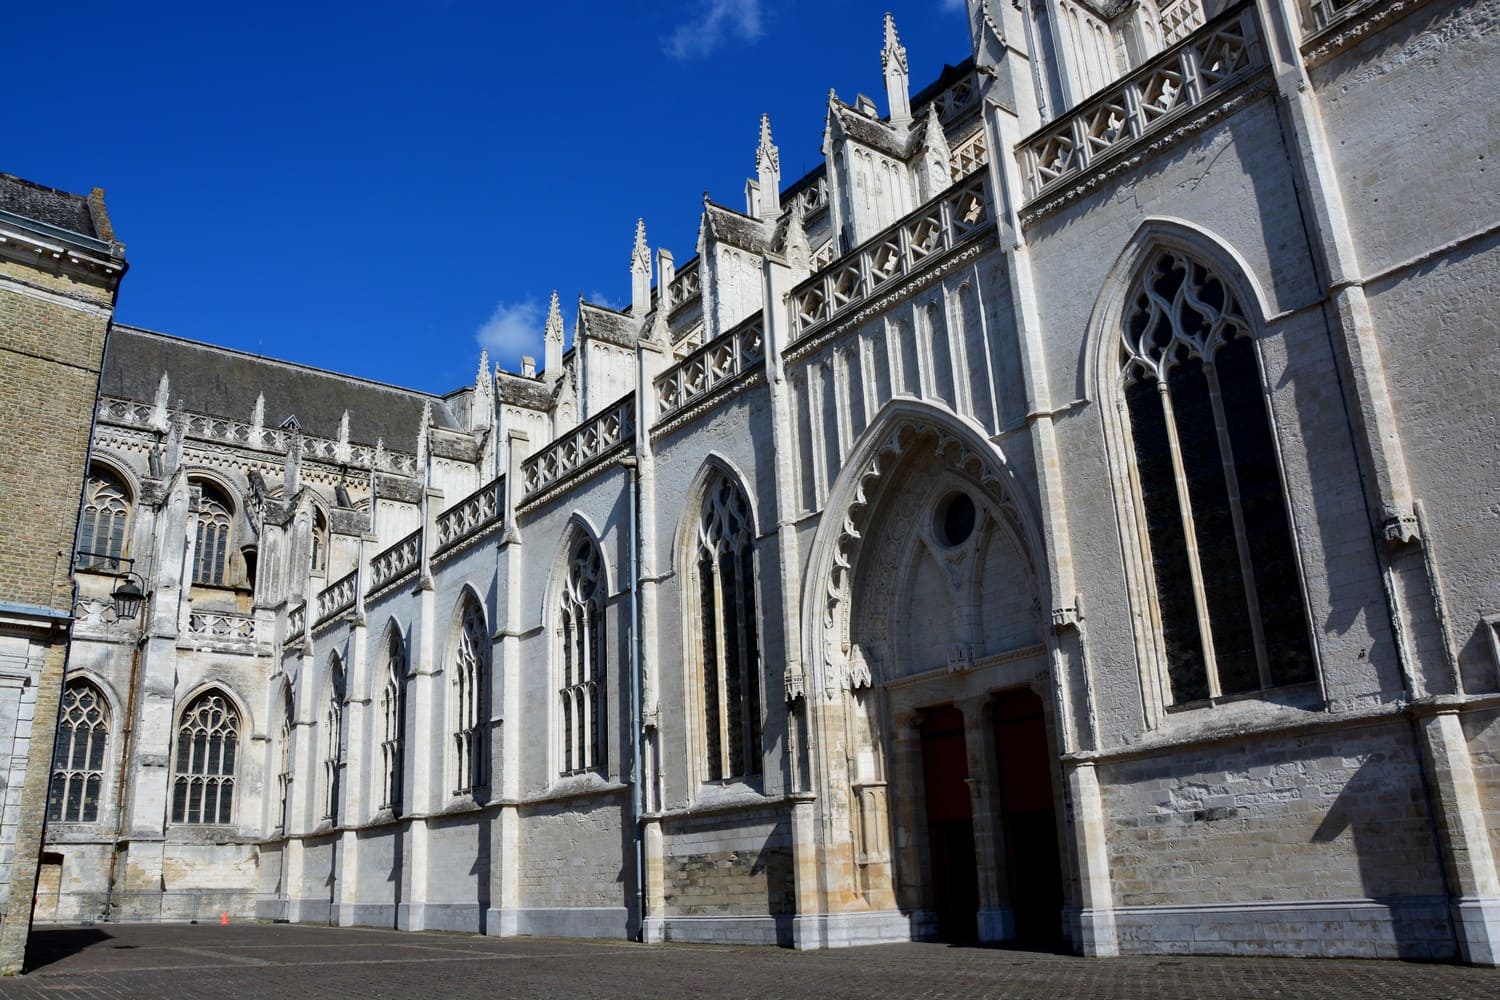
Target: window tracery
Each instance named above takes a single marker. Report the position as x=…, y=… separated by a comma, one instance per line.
x=1227, y=585
x=106, y=514
x=78, y=756
x=729, y=633
x=207, y=755
x=333, y=747
x=581, y=632
x=211, y=554
x=392, y=713
x=284, y=771
x=470, y=670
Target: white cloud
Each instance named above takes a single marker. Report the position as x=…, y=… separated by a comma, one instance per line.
x=601, y=299
x=954, y=6
x=715, y=22
x=513, y=329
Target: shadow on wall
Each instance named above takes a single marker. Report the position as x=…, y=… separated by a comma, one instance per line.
x=1383, y=807
x=45, y=947
x=775, y=861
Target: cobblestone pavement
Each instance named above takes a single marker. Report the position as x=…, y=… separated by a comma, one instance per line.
x=272, y=961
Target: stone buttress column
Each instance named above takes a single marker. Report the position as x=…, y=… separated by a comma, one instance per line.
x=996, y=916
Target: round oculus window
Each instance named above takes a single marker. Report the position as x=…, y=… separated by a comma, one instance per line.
x=955, y=519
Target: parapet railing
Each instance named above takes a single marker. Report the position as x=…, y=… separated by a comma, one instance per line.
x=959, y=213
x=721, y=360
x=1207, y=62
x=586, y=444
x=338, y=597
x=686, y=286
x=296, y=624
x=238, y=432
x=471, y=515
x=397, y=561
x=223, y=625
x=968, y=156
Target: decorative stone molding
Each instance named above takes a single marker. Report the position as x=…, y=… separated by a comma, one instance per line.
x=396, y=562
x=1332, y=26
x=471, y=516
x=1398, y=526
x=711, y=366
x=582, y=448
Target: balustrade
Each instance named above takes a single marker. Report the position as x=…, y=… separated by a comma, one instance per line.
x=396, y=561
x=955, y=216
x=968, y=156
x=296, y=623
x=1207, y=62
x=720, y=360
x=582, y=446
x=471, y=515
x=222, y=625
x=337, y=597
x=688, y=285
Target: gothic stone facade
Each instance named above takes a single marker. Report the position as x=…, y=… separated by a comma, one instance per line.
x=1066, y=513
x=60, y=267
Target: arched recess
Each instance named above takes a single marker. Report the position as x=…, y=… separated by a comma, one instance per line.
x=391, y=668
x=902, y=428
x=1181, y=295
x=469, y=658
x=924, y=598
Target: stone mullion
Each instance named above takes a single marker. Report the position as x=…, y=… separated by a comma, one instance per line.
x=1237, y=514
x=722, y=720
x=1190, y=539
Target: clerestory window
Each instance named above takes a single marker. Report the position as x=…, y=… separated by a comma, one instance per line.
x=207, y=755
x=1226, y=581
x=106, y=514
x=729, y=646
x=78, y=756
x=211, y=553
x=581, y=635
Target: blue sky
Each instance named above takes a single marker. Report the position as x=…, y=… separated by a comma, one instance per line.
x=377, y=187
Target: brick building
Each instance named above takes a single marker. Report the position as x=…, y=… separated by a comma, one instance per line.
x=1059, y=516
x=60, y=268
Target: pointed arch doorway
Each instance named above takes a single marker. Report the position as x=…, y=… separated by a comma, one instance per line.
x=930, y=624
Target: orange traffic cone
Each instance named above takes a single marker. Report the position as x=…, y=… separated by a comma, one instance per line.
x=224, y=919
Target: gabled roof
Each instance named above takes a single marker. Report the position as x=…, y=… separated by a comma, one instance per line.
x=221, y=382
x=532, y=393
x=866, y=131
x=599, y=323
x=47, y=205
x=736, y=229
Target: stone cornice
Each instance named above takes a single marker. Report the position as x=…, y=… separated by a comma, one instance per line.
x=1353, y=25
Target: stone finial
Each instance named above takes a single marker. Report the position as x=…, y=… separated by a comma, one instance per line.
x=482, y=383
x=796, y=250
x=422, y=429
x=528, y=366
x=897, y=78
x=341, y=450
x=768, y=167
x=935, y=171
x=552, y=340
x=159, y=417
x=640, y=273
x=258, y=415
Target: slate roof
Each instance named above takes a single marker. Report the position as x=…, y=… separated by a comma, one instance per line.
x=534, y=394
x=48, y=205
x=607, y=325
x=868, y=131
x=742, y=231
x=222, y=382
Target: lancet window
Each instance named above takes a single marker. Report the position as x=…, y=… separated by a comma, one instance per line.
x=333, y=742
x=207, y=755
x=470, y=672
x=724, y=571
x=211, y=554
x=106, y=514
x=78, y=756
x=581, y=635
x=1227, y=586
x=284, y=771
x=393, y=715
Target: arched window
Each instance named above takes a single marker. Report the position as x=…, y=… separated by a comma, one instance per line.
x=211, y=554
x=333, y=742
x=471, y=668
x=393, y=714
x=78, y=756
x=207, y=753
x=284, y=772
x=1227, y=584
x=319, y=541
x=581, y=635
x=106, y=513
x=724, y=569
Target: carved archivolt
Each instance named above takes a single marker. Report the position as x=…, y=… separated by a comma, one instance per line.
x=845, y=667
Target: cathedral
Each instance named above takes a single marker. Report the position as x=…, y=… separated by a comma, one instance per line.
x=1065, y=516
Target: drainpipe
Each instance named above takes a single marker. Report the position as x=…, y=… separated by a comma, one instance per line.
x=636, y=757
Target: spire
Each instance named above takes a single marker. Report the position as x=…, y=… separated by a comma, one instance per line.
x=552, y=340
x=640, y=273
x=422, y=430
x=482, y=377
x=796, y=250
x=897, y=78
x=935, y=171
x=768, y=166
x=258, y=415
x=163, y=395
